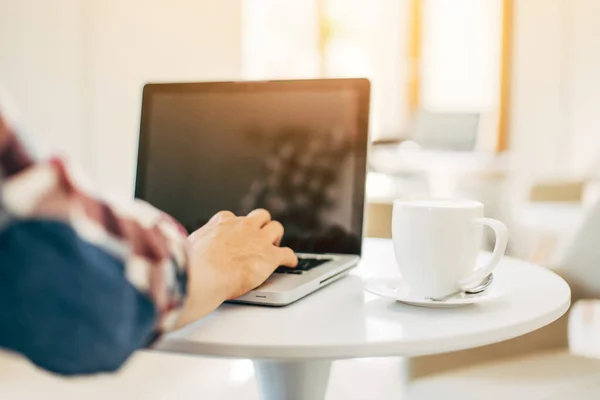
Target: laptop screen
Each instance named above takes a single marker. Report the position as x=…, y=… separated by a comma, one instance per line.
x=295, y=148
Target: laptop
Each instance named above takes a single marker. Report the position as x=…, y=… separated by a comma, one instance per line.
x=296, y=148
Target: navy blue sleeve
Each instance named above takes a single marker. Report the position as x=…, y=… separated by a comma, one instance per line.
x=65, y=304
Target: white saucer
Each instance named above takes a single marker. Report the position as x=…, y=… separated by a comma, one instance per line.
x=397, y=289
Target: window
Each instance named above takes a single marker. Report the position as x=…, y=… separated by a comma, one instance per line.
x=437, y=55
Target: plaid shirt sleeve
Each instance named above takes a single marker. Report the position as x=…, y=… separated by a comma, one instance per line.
x=149, y=245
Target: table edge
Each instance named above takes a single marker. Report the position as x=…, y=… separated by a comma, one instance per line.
x=379, y=349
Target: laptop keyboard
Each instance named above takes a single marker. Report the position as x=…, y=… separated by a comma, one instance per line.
x=304, y=264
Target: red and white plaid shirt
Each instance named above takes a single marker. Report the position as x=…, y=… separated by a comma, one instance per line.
x=150, y=244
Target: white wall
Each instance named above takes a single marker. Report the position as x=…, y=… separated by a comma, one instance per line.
x=537, y=110
x=461, y=55
x=42, y=71
x=555, y=122
x=583, y=74
x=76, y=69
x=151, y=40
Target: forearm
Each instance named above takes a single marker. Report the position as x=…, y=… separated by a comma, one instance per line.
x=202, y=301
x=66, y=303
x=133, y=252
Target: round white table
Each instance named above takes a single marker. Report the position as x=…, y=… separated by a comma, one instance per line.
x=293, y=347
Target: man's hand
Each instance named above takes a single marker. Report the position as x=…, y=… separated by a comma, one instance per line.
x=230, y=256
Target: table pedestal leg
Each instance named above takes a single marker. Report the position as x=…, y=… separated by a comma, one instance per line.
x=292, y=380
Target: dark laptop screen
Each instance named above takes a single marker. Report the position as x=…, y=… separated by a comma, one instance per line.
x=295, y=148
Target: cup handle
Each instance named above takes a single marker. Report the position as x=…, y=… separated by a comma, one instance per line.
x=479, y=274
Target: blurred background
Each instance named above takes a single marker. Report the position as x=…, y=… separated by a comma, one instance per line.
x=495, y=100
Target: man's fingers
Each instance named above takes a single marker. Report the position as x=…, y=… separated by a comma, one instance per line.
x=259, y=217
x=222, y=216
x=274, y=231
x=287, y=257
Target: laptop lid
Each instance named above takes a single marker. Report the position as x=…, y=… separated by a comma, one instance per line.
x=295, y=148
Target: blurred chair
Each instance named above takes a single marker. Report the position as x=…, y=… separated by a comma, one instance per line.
x=584, y=329
x=558, y=191
x=445, y=131
x=551, y=213
x=378, y=220
x=534, y=366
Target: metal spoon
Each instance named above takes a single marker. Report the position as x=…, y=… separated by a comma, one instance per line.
x=475, y=290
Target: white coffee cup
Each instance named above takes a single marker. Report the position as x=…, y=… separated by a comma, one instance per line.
x=437, y=241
